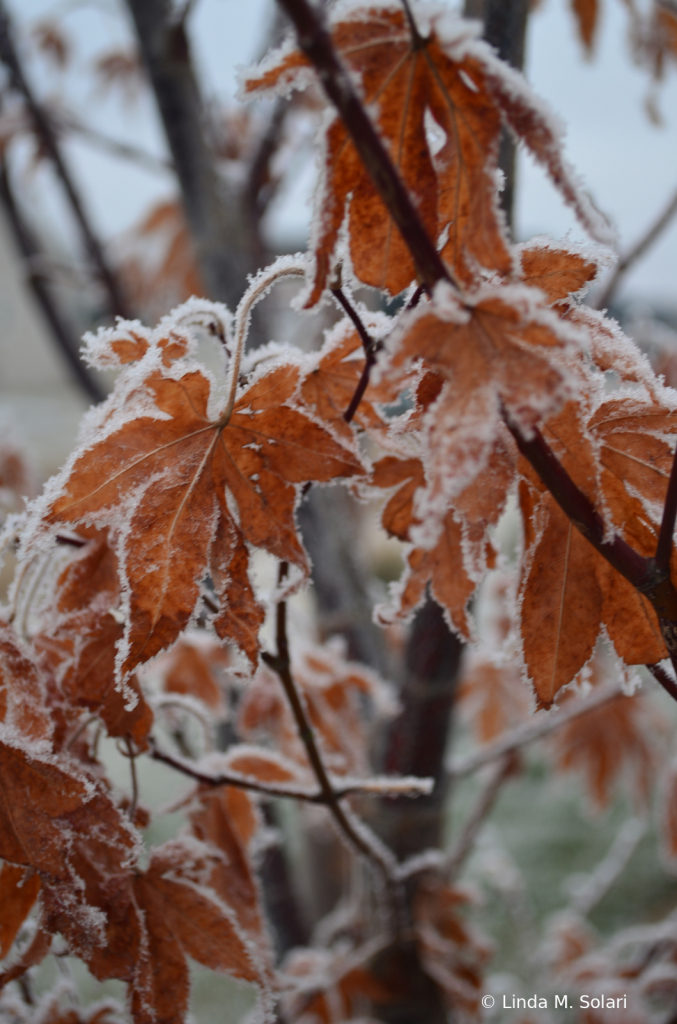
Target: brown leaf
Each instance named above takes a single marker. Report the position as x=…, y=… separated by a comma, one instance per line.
x=232, y=877
x=180, y=919
x=193, y=670
x=179, y=461
x=442, y=78
x=442, y=566
x=22, y=689
x=18, y=893
x=586, y=13
x=561, y=611
x=557, y=272
x=80, y=638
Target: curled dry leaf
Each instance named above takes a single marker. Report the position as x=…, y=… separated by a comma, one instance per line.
x=184, y=491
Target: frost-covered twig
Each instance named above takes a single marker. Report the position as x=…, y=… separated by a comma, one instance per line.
x=259, y=287
x=588, y=890
x=531, y=731
x=381, y=785
x=355, y=831
x=638, y=250
x=456, y=857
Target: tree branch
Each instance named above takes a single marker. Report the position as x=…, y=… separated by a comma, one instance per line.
x=49, y=142
x=61, y=333
x=457, y=856
x=219, y=220
x=633, y=255
x=531, y=731
x=316, y=43
x=383, y=786
x=358, y=835
x=661, y=676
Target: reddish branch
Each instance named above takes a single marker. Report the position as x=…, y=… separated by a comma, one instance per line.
x=371, y=349
x=358, y=836
x=646, y=574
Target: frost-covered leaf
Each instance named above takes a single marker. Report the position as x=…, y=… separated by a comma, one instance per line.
x=180, y=919
x=79, y=641
x=183, y=490
x=18, y=892
x=439, y=100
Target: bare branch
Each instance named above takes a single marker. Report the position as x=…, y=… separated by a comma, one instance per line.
x=457, y=856
x=370, y=345
x=638, y=250
x=378, y=785
x=49, y=141
x=68, y=122
x=548, y=721
x=356, y=832
x=61, y=333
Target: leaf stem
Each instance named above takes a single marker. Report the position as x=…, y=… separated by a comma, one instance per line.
x=258, y=288
x=370, y=345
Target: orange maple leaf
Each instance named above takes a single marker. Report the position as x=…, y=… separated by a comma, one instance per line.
x=440, y=75
x=185, y=489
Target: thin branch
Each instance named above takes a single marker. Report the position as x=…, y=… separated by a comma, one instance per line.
x=368, y=342
x=357, y=833
x=60, y=331
x=637, y=251
x=667, y=530
x=370, y=345
x=531, y=731
x=316, y=43
x=67, y=122
x=362, y=386
x=457, y=856
x=49, y=142
x=381, y=785
x=661, y=676
x=259, y=190
x=131, y=754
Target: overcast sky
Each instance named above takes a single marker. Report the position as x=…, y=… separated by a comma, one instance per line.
x=629, y=164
